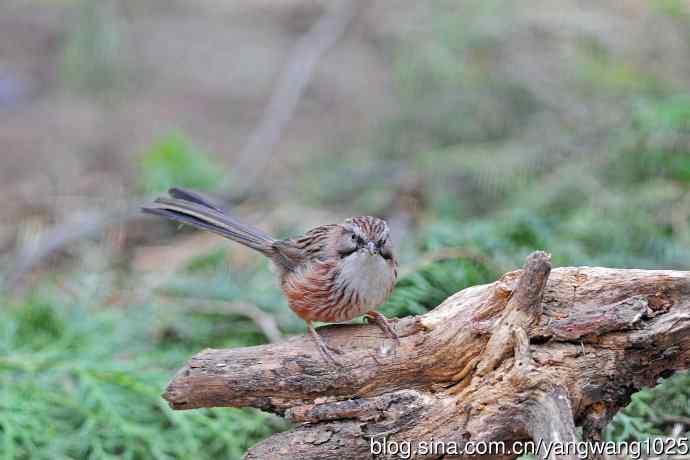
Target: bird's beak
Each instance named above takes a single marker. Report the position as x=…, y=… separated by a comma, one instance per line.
x=371, y=246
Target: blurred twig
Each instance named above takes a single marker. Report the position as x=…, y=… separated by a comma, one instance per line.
x=254, y=156
x=264, y=321
x=64, y=234
x=289, y=89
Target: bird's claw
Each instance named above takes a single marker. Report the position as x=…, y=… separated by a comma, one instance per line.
x=382, y=322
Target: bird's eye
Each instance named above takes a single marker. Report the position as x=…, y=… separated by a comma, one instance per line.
x=354, y=237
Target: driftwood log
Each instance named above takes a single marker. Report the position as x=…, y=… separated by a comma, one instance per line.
x=530, y=356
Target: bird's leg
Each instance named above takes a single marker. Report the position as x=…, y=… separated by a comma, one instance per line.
x=325, y=350
x=383, y=323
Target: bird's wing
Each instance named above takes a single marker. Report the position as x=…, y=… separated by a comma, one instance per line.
x=287, y=254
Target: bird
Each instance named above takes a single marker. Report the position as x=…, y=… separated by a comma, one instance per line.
x=331, y=273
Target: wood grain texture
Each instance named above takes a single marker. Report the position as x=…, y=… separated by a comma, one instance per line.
x=529, y=356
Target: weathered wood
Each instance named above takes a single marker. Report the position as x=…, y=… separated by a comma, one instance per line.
x=523, y=310
x=549, y=418
x=526, y=357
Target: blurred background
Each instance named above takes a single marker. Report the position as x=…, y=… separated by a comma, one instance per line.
x=482, y=130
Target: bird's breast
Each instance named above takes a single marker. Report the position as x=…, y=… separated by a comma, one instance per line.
x=370, y=276
x=334, y=291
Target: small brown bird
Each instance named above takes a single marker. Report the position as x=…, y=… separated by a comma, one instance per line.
x=332, y=273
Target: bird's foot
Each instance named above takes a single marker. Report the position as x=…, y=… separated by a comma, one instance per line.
x=329, y=352
x=326, y=351
x=383, y=323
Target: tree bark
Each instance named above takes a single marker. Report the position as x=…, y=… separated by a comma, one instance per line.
x=529, y=356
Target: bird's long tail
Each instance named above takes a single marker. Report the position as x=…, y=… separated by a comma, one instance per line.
x=191, y=208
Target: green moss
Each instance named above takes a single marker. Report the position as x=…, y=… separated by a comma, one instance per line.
x=173, y=161
x=211, y=261
x=674, y=8
x=82, y=383
x=646, y=415
x=426, y=288
x=37, y=324
x=612, y=74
